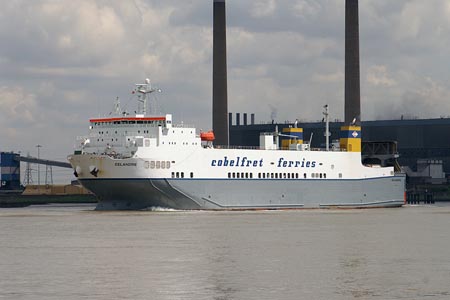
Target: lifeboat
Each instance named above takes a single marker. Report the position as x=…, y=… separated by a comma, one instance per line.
x=207, y=136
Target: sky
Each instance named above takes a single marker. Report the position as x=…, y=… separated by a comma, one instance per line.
x=63, y=62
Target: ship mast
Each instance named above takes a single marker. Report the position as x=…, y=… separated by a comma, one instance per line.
x=144, y=89
x=327, y=127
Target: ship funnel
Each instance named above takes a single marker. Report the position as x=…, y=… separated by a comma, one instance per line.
x=220, y=97
x=351, y=131
x=352, y=83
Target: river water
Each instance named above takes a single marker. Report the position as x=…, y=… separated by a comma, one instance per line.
x=73, y=252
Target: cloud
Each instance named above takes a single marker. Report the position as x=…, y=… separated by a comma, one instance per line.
x=378, y=76
x=303, y=8
x=263, y=8
x=330, y=77
x=18, y=107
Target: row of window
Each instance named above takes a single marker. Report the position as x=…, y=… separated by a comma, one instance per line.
x=156, y=123
x=181, y=175
x=103, y=132
x=244, y=175
x=277, y=175
x=184, y=143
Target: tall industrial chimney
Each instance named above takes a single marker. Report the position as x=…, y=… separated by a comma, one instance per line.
x=352, y=88
x=220, y=98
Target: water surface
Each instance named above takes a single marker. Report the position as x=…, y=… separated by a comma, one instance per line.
x=73, y=252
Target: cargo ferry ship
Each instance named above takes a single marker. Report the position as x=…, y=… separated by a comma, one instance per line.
x=143, y=161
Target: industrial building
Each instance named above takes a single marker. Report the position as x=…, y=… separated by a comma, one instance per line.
x=9, y=171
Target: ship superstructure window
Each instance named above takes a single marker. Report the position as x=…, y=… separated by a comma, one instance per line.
x=304, y=175
x=340, y=175
x=192, y=175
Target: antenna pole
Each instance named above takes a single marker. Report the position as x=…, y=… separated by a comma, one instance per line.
x=327, y=128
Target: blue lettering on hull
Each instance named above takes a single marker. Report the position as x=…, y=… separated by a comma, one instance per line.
x=245, y=162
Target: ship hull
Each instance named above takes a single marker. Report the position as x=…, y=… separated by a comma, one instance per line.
x=225, y=194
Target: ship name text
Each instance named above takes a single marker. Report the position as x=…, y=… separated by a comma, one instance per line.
x=130, y=164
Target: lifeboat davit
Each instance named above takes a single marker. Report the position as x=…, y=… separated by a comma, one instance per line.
x=207, y=136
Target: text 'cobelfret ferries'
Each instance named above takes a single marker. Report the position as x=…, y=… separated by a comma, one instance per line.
x=246, y=162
